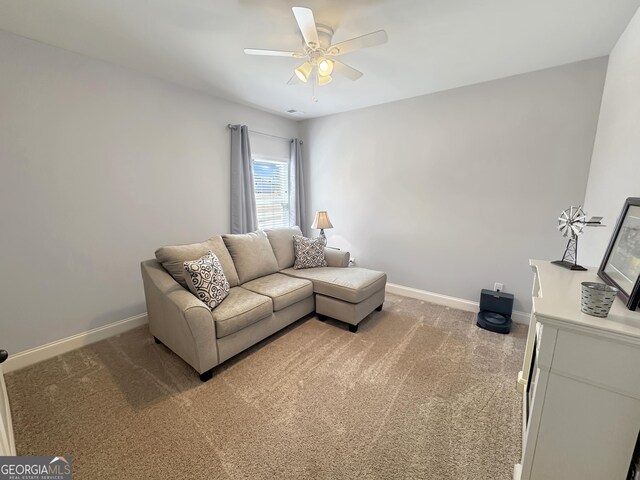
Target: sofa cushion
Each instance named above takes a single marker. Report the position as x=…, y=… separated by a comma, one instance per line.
x=336, y=258
x=281, y=240
x=309, y=252
x=350, y=284
x=252, y=255
x=239, y=310
x=173, y=257
x=282, y=289
x=206, y=279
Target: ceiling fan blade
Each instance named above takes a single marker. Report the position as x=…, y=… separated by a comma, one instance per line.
x=349, y=72
x=364, y=41
x=294, y=80
x=307, y=25
x=273, y=53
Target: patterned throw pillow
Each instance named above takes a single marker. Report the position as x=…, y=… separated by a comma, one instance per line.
x=206, y=279
x=309, y=252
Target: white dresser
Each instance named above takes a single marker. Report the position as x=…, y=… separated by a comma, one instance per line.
x=7, y=444
x=581, y=406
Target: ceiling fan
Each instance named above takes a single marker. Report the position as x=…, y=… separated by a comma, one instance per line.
x=318, y=51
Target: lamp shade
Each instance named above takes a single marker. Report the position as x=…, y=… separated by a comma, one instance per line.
x=303, y=71
x=325, y=66
x=322, y=220
x=324, y=80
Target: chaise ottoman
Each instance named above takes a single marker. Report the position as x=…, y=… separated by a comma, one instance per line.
x=346, y=294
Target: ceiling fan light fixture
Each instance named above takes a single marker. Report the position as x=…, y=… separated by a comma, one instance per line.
x=324, y=79
x=303, y=71
x=318, y=51
x=325, y=66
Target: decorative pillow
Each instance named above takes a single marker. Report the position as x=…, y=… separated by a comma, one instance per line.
x=173, y=257
x=309, y=252
x=206, y=280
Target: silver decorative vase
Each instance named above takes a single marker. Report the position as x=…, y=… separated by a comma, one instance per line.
x=597, y=298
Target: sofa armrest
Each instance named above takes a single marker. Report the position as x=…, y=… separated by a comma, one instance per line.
x=178, y=318
x=336, y=258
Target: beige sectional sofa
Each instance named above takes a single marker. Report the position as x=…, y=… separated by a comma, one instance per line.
x=266, y=295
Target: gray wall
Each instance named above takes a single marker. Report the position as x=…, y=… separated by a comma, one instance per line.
x=98, y=167
x=454, y=191
x=615, y=166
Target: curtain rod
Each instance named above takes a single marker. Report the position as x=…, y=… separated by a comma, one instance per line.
x=265, y=134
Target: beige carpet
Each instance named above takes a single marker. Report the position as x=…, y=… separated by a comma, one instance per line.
x=418, y=392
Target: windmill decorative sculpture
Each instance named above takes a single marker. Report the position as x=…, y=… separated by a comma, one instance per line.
x=571, y=224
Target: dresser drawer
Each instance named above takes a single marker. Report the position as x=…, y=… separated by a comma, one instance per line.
x=598, y=360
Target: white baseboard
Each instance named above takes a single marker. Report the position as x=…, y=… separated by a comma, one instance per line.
x=38, y=354
x=452, y=302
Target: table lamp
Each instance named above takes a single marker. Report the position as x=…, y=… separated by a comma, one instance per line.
x=322, y=221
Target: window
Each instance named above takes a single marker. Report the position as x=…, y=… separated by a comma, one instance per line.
x=271, y=181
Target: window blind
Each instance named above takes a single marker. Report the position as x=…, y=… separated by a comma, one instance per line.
x=271, y=182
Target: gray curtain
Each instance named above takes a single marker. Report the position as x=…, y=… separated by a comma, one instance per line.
x=244, y=217
x=297, y=204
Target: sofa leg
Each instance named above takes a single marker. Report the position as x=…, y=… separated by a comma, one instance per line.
x=321, y=317
x=379, y=308
x=353, y=328
x=157, y=341
x=206, y=376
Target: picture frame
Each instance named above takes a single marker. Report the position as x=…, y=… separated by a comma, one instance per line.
x=620, y=266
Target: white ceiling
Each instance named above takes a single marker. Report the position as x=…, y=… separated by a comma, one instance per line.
x=433, y=44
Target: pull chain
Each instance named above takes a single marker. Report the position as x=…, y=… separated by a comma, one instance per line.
x=315, y=85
